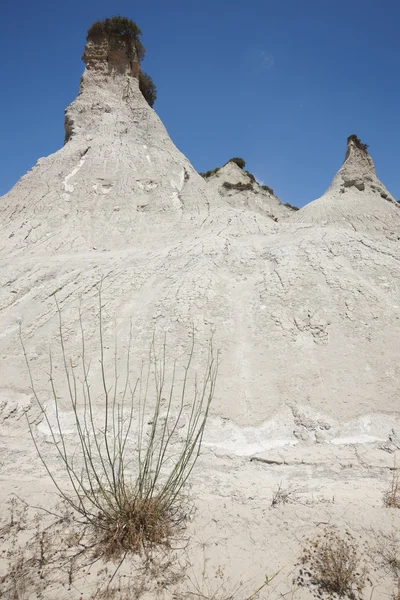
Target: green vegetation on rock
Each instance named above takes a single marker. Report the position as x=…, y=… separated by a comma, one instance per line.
x=125, y=30
x=121, y=28
x=266, y=188
x=360, y=145
x=241, y=187
x=147, y=87
x=251, y=176
x=240, y=162
x=207, y=174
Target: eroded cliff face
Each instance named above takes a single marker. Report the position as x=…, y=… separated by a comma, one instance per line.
x=109, y=53
x=106, y=57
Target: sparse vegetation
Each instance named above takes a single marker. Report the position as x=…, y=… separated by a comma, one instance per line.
x=129, y=493
x=291, y=206
x=217, y=588
x=251, y=176
x=283, y=496
x=44, y=552
x=241, y=187
x=332, y=563
x=391, y=498
x=268, y=189
x=240, y=162
x=120, y=28
x=207, y=174
x=386, y=553
x=147, y=87
x=354, y=138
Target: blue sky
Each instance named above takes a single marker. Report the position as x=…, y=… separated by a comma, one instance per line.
x=281, y=83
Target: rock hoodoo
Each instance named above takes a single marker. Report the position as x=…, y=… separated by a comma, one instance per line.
x=118, y=165
x=114, y=45
x=356, y=198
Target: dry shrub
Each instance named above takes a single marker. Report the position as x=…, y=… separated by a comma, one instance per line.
x=391, y=498
x=332, y=563
x=128, y=473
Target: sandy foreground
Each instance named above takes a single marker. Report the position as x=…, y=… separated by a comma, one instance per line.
x=235, y=536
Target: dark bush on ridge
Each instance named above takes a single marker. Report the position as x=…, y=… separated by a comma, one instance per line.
x=125, y=30
x=241, y=187
x=147, y=87
x=253, y=179
x=240, y=162
x=266, y=188
x=360, y=145
x=207, y=174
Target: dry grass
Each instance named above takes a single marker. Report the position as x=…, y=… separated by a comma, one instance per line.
x=141, y=523
x=283, y=496
x=332, y=564
x=391, y=497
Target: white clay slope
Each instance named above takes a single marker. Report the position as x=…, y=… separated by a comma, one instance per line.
x=307, y=319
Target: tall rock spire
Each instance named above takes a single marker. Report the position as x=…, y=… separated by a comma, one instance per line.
x=117, y=167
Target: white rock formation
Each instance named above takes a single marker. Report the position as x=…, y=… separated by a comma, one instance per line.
x=250, y=195
x=302, y=314
x=118, y=165
x=306, y=312
x=356, y=199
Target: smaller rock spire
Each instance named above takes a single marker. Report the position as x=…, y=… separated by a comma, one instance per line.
x=356, y=198
x=358, y=170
